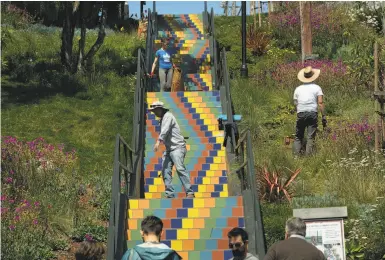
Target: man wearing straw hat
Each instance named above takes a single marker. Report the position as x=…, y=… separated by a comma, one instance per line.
x=307, y=98
x=170, y=135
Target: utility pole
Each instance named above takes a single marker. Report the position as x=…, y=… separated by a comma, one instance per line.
x=244, y=71
x=234, y=8
x=253, y=12
x=306, y=35
x=226, y=8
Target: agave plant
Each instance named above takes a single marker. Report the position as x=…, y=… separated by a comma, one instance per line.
x=257, y=40
x=275, y=186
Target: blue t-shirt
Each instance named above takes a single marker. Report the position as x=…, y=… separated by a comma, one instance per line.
x=164, y=59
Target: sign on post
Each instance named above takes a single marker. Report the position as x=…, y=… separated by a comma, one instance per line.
x=325, y=229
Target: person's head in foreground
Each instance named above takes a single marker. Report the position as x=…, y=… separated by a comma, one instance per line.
x=295, y=227
x=151, y=229
x=308, y=74
x=90, y=250
x=238, y=243
x=158, y=108
x=164, y=44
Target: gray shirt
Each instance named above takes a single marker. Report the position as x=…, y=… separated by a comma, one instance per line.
x=170, y=133
x=248, y=257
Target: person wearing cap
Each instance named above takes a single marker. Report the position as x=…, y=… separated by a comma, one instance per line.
x=170, y=135
x=308, y=97
x=165, y=66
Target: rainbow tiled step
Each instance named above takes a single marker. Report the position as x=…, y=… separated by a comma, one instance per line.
x=196, y=228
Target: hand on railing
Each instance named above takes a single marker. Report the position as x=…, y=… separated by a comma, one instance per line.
x=150, y=75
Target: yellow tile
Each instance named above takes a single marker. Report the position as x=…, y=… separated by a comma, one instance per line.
x=182, y=234
x=152, y=188
x=204, y=116
x=187, y=223
x=214, y=167
x=217, y=159
x=221, y=153
x=199, y=203
x=187, y=94
x=199, y=110
x=158, y=181
x=206, y=180
x=225, y=187
x=202, y=188
x=198, y=194
x=148, y=195
x=134, y=204
x=223, y=194
x=211, y=127
x=209, y=173
x=176, y=245
x=192, y=213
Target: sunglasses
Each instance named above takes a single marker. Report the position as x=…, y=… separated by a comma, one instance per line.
x=237, y=245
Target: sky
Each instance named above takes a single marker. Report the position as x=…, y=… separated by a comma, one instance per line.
x=185, y=7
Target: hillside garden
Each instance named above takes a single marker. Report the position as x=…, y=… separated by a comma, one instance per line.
x=58, y=127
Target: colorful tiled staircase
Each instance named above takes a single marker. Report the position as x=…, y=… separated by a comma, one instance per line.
x=196, y=228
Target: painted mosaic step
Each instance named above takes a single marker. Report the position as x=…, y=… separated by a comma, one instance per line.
x=193, y=180
x=190, y=167
x=159, y=195
x=183, y=94
x=192, y=140
x=216, y=153
x=179, y=188
x=201, y=160
x=199, y=173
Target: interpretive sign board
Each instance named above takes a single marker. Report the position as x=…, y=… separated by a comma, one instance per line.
x=325, y=230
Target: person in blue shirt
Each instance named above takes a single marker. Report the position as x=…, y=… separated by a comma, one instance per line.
x=165, y=66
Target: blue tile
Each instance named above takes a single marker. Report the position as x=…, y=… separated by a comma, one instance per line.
x=215, y=194
x=228, y=255
x=146, y=188
x=221, y=222
x=149, y=181
x=153, y=174
x=194, y=187
x=211, y=244
x=200, y=122
x=209, y=160
x=188, y=203
x=212, y=140
x=222, y=180
x=184, y=99
x=226, y=212
x=205, y=167
x=160, y=213
x=192, y=110
x=187, y=105
x=158, y=167
x=195, y=116
x=209, y=134
x=217, y=146
x=202, y=173
x=168, y=243
x=171, y=234
x=154, y=122
x=213, y=153
x=181, y=213
x=157, y=128
x=165, y=204
x=205, y=255
x=241, y=222
x=231, y=201
x=176, y=223
x=218, y=187
x=216, y=233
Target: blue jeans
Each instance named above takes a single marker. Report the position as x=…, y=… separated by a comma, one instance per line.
x=171, y=158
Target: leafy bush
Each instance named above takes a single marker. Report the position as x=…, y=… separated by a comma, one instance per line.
x=257, y=40
x=39, y=196
x=14, y=16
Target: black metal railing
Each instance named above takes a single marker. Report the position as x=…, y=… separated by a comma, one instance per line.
x=250, y=192
x=127, y=178
x=123, y=185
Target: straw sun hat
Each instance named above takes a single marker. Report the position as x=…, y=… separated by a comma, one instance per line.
x=157, y=104
x=308, y=74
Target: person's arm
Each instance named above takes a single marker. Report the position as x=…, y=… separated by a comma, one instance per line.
x=321, y=105
x=164, y=131
x=154, y=64
x=295, y=98
x=271, y=255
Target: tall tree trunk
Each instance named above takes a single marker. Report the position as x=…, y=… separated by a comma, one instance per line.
x=83, y=31
x=306, y=35
x=68, y=35
x=259, y=13
x=99, y=41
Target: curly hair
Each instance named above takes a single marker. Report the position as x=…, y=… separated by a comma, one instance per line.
x=90, y=250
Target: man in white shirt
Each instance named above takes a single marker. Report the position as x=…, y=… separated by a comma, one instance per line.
x=308, y=98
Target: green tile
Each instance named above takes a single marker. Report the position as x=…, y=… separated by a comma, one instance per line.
x=154, y=204
x=215, y=212
x=131, y=243
x=148, y=212
x=200, y=245
x=220, y=203
x=135, y=235
x=206, y=233
x=210, y=223
x=193, y=255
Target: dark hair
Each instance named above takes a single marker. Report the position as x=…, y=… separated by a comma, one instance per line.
x=152, y=224
x=90, y=250
x=238, y=232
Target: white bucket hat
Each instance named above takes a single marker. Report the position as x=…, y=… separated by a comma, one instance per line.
x=157, y=104
x=308, y=74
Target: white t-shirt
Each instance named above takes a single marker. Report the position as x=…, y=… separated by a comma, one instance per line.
x=307, y=97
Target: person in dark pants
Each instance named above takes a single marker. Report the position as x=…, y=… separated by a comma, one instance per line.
x=308, y=98
x=295, y=246
x=165, y=67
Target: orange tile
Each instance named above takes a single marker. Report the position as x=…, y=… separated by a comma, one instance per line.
x=163, y=236
x=210, y=188
x=223, y=244
x=132, y=224
x=240, y=201
x=194, y=234
x=204, y=213
x=217, y=255
x=166, y=223
x=171, y=213
x=188, y=245
x=176, y=203
x=144, y=204
x=215, y=180
x=232, y=222
x=128, y=235
x=210, y=203
x=237, y=212
x=199, y=223
x=184, y=255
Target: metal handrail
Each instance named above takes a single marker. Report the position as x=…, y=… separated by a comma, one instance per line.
x=250, y=192
x=118, y=213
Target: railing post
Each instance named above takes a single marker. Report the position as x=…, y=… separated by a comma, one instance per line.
x=259, y=232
